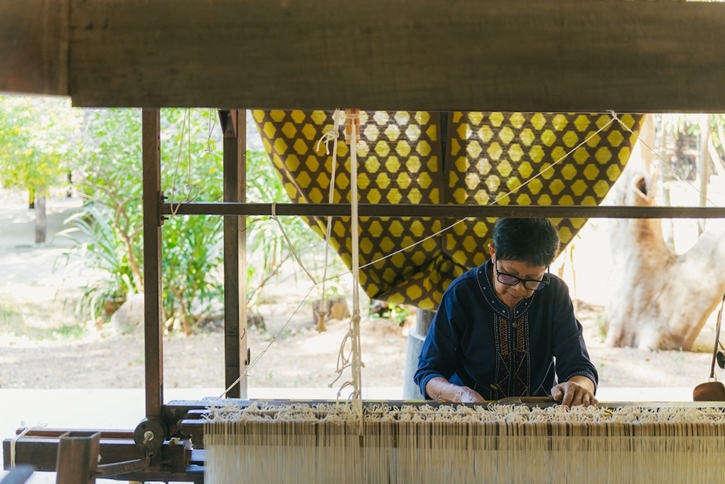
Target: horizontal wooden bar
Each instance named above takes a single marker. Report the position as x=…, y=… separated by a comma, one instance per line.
x=517, y=55
x=49, y=432
x=41, y=452
x=117, y=455
x=431, y=210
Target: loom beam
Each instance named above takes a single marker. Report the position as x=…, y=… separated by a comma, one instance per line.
x=181, y=458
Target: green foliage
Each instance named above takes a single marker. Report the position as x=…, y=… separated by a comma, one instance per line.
x=109, y=228
x=396, y=313
x=93, y=230
x=37, y=141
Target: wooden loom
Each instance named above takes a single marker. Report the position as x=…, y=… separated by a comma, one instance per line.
x=639, y=56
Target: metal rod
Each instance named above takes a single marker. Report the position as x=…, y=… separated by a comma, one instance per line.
x=454, y=211
x=152, y=219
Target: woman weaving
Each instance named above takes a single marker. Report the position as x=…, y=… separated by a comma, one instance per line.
x=507, y=328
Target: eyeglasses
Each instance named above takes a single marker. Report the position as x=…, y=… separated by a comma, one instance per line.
x=530, y=284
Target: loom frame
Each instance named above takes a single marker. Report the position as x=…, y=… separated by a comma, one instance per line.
x=61, y=61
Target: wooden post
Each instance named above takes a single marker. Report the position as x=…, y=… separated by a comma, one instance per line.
x=78, y=457
x=153, y=342
x=233, y=124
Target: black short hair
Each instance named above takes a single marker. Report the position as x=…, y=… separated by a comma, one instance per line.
x=531, y=240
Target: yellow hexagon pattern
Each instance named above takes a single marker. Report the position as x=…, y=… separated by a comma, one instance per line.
x=492, y=158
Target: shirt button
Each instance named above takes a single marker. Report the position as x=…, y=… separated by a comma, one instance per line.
x=514, y=325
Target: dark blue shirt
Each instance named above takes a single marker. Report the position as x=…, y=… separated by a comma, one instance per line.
x=477, y=341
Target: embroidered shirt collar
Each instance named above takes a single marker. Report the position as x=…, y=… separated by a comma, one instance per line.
x=486, y=285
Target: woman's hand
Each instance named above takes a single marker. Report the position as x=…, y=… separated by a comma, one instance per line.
x=468, y=395
x=579, y=390
x=440, y=389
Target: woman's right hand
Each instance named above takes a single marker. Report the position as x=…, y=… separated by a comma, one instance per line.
x=468, y=395
x=440, y=389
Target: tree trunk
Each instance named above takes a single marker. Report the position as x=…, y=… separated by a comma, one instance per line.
x=40, y=219
x=662, y=299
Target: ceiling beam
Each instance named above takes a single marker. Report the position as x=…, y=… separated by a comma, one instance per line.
x=34, y=46
x=517, y=55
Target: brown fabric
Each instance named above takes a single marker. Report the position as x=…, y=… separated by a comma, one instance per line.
x=491, y=158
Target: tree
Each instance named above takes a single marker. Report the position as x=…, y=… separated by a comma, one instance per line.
x=662, y=299
x=37, y=137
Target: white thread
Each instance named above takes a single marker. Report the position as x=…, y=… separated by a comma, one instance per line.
x=271, y=342
x=289, y=244
x=14, y=440
x=331, y=197
x=212, y=124
x=190, y=189
x=355, y=255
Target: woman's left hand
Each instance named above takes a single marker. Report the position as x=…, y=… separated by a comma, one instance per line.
x=575, y=392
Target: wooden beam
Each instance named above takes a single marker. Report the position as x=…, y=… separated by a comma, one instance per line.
x=525, y=55
x=34, y=46
x=233, y=124
x=517, y=55
x=152, y=219
x=441, y=210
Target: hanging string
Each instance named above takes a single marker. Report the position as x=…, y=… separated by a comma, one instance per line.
x=333, y=135
x=174, y=211
x=210, y=128
x=190, y=189
x=290, y=245
x=269, y=345
x=353, y=122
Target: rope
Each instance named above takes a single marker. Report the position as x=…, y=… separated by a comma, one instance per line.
x=18, y=436
x=327, y=137
x=355, y=253
x=289, y=244
x=190, y=189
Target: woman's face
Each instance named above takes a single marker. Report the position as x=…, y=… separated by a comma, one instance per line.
x=512, y=295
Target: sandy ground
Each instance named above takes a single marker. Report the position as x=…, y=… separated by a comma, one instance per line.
x=44, y=359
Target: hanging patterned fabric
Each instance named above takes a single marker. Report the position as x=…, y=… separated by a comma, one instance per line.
x=491, y=158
